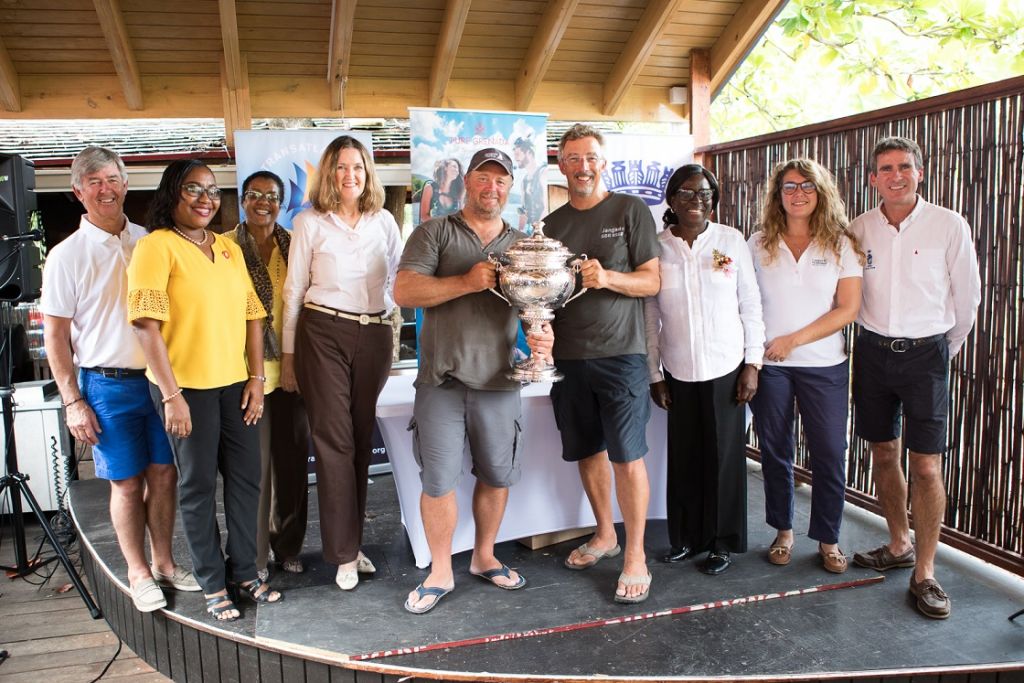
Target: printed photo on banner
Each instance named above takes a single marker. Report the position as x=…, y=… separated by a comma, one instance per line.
x=291, y=154
x=641, y=164
x=442, y=141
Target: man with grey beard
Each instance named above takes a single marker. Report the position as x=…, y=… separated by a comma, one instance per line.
x=462, y=392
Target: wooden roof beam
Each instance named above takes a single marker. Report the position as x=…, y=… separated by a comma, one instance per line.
x=739, y=37
x=542, y=50
x=237, y=103
x=447, y=47
x=634, y=56
x=112, y=24
x=343, y=18
x=10, y=90
x=232, y=67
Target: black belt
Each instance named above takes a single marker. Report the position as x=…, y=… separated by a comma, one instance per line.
x=117, y=373
x=896, y=344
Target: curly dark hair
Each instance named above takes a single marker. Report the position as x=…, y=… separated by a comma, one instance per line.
x=168, y=193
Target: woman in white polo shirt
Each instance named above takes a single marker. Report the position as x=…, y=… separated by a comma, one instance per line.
x=705, y=341
x=809, y=271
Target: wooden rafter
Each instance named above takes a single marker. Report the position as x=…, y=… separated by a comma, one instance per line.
x=237, y=105
x=634, y=56
x=738, y=37
x=542, y=49
x=448, y=41
x=229, y=36
x=343, y=17
x=112, y=24
x=10, y=90
x=700, y=98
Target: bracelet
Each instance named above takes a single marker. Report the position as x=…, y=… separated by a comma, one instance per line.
x=167, y=399
x=71, y=403
x=262, y=378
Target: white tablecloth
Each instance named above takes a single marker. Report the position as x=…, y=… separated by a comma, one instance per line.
x=549, y=497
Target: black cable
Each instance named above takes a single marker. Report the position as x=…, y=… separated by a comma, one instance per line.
x=110, y=663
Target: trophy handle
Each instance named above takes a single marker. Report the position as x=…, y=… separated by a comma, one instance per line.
x=498, y=265
x=575, y=265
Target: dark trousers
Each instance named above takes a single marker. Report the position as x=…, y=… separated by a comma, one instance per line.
x=341, y=367
x=284, y=486
x=706, y=499
x=823, y=397
x=220, y=442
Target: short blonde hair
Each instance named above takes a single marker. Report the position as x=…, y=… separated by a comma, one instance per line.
x=323, y=191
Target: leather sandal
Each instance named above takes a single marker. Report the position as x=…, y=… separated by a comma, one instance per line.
x=219, y=605
x=251, y=590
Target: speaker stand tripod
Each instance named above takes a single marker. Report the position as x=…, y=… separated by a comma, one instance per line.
x=15, y=485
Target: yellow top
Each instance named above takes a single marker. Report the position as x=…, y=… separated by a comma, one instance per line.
x=203, y=304
x=278, y=270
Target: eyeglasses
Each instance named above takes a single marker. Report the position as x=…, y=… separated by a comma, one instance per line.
x=806, y=187
x=689, y=195
x=575, y=159
x=255, y=196
x=197, y=190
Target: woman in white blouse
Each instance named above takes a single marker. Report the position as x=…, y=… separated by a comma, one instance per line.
x=337, y=337
x=705, y=342
x=809, y=270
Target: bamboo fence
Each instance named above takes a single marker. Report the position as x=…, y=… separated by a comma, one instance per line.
x=972, y=142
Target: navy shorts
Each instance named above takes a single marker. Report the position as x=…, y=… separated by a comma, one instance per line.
x=133, y=435
x=603, y=404
x=913, y=383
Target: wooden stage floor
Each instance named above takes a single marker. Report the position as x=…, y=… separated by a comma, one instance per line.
x=868, y=631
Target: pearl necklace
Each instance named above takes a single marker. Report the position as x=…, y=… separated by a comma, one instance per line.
x=198, y=243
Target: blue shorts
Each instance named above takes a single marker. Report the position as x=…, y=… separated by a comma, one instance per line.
x=133, y=435
x=603, y=404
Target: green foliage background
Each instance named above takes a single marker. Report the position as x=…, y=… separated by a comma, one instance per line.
x=824, y=59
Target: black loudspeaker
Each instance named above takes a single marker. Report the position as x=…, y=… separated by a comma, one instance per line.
x=20, y=231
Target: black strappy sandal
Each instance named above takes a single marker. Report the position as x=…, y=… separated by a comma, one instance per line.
x=219, y=604
x=251, y=590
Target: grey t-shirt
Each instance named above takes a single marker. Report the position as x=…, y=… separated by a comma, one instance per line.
x=471, y=338
x=620, y=233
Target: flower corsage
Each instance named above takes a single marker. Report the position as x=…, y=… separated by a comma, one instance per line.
x=722, y=263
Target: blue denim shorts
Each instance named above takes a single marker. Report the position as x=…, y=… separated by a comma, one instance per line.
x=133, y=435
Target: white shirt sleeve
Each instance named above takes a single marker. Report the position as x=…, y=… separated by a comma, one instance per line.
x=300, y=255
x=965, y=285
x=652, y=328
x=849, y=262
x=60, y=292
x=749, y=295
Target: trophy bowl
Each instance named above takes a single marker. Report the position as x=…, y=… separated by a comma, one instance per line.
x=537, y=277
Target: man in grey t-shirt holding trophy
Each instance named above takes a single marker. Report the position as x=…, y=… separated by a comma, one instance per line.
x=602, y=405
x=462, y=391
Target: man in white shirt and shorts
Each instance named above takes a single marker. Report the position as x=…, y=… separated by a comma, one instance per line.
x=920, y=300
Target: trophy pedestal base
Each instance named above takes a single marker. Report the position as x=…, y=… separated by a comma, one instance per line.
x=526, y=373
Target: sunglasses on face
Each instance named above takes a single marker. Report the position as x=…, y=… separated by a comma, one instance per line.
x=196, y=190
x=806, y=187
x=689, y=195
x=255, y=196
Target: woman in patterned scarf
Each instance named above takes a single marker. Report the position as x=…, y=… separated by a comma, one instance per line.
x=284, y=429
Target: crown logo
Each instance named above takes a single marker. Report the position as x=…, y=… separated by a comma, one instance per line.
x=633, y=177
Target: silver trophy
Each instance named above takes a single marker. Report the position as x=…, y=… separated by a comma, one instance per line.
x=537, y=277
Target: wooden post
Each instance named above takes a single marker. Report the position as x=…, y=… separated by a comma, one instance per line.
x=700, y=100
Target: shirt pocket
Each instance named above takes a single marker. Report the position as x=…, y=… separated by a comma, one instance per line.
x=928, y=265
x=323, y=269
x=671, y=276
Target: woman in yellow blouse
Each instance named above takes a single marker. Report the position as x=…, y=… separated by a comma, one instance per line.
x=201, y=328
x=284, y=429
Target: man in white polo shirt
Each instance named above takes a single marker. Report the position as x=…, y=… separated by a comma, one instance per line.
x=84, y=304
x=920, y=300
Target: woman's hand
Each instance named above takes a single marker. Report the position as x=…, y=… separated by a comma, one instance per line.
x=746, y=384
x=660, y=395
x=252, y=401
x=288, y=381
x=178, y=417
x=778, y=349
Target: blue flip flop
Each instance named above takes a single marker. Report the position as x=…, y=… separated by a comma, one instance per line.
x=503, y=570
x=422, y=592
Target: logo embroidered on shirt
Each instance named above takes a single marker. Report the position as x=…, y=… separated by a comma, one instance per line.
x=869, y=261
x=819, y=262
x=613, y=232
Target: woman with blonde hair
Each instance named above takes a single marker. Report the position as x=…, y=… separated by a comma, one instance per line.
x=336, y=338
x=809, y=270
